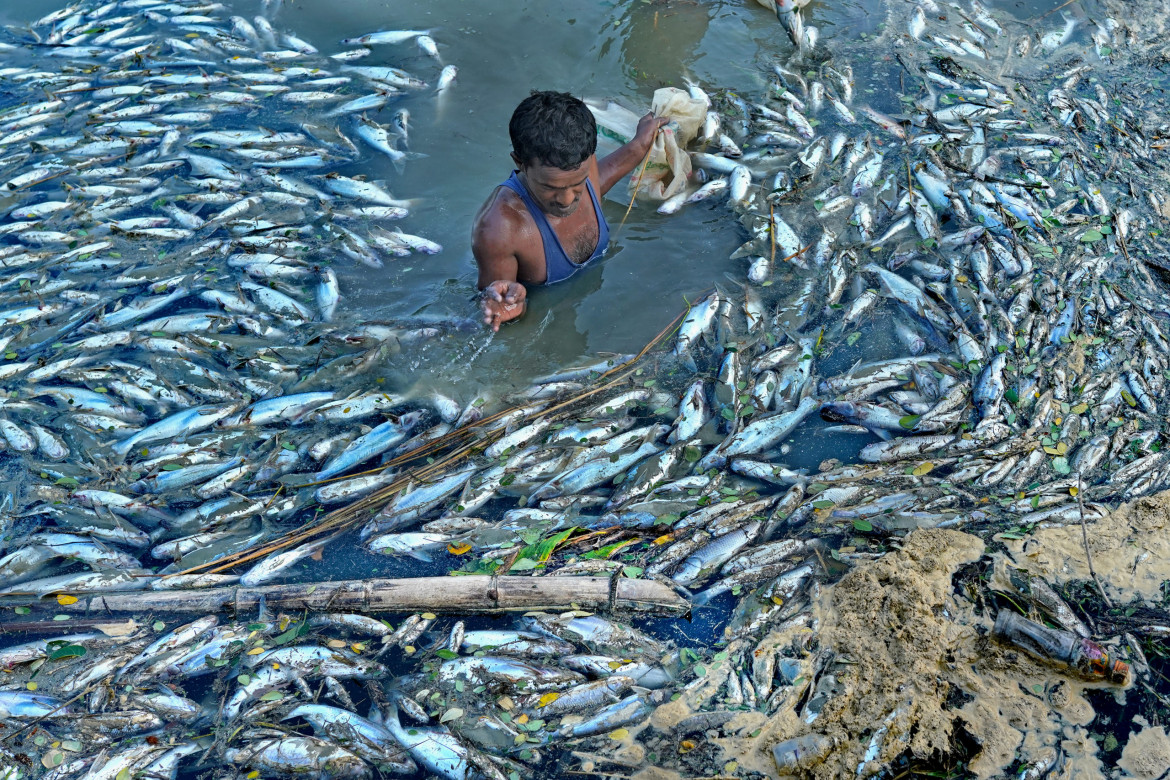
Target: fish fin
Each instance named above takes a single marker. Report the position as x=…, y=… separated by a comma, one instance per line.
x=421, y=555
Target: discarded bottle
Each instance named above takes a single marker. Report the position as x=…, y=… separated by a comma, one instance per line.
x=1061, y=648
x=801, y=752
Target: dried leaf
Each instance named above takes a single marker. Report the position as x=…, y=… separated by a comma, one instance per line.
x=118, y=629
x=65, y=600
x=452, y=714
x=458, y=549
x=548, y=699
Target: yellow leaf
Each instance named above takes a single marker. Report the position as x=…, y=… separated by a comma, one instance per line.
x=409, y=649
x=662, y=540
x=615, y=664
x=686, y=746
x=730, y=767
x=778, y=601
x=1061, y=447
x=1080, y=408
x=1058, y=420
x=428, y=616
x=32, y=686
x=65, y=600
x=256, y=650
x=253, y=774
x=1072, y=491
x=1052, y=450
x=548, y=699
x=336, y=644
x=619, y=733
x=506, y=702
x=923, y=468
x=358, y=647
x=522, y=719
x=458, y=549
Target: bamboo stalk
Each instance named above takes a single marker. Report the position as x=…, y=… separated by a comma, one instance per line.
x=453, y=595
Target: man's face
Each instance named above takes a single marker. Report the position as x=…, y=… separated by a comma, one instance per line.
x=557, y=192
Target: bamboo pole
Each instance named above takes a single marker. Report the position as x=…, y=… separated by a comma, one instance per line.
x=452, y=595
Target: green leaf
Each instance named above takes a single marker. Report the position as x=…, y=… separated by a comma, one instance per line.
x=173, y=467
x=272, y=696
x=633, y=572
x=727, y=413
x=862, y=526
x=1060, y=465
x=22, y=610
x=244, y=679
x=1092, y=235
x=909, y=421
x=446, y=654
x=692, y=453
x=67, y=482
x=68, y=651
x=823, y=504
x=524, y=564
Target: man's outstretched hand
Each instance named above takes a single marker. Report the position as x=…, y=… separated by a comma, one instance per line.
x=503, y=301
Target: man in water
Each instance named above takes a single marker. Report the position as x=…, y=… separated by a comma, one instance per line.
x=531, y=231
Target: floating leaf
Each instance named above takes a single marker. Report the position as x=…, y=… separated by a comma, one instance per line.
x=862, y=526
x=65, y=599
x=22, y=610
x=452, y=714
x=633, y=572
x=619, y=734
x=446, y=654
x=336, y=644
x=32, y=686
x=524, y=564
x=909, y=421
x=1092, y=235
x=123, y=774
x=823, y=504
x=547, y=699
x=52, y=759
x=923, y=469
x=1060, y=465
x=68, y=651
x=272, y=696
x=458, y=549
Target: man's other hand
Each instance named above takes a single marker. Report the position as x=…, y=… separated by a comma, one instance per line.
x=503, y=301
x=647, y=129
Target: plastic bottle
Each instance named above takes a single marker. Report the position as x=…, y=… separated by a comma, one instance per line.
x=1061, y=648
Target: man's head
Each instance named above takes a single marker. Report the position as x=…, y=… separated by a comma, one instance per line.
x=553, y=136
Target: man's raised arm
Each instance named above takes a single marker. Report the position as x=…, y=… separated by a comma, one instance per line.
x=620, y=162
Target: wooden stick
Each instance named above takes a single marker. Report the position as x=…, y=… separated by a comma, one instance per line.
x=454, y=595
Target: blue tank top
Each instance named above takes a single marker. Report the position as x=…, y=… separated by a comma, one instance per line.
x=558, y=266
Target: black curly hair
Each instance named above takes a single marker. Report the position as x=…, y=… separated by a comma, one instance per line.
x=554, y=129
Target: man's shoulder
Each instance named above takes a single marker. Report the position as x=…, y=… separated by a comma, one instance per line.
x=504, y=213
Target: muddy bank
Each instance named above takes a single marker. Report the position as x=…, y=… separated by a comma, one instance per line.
x=1130, y=550
x=906, y=669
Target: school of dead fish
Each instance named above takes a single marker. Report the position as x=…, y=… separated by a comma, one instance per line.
x=165, y=406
